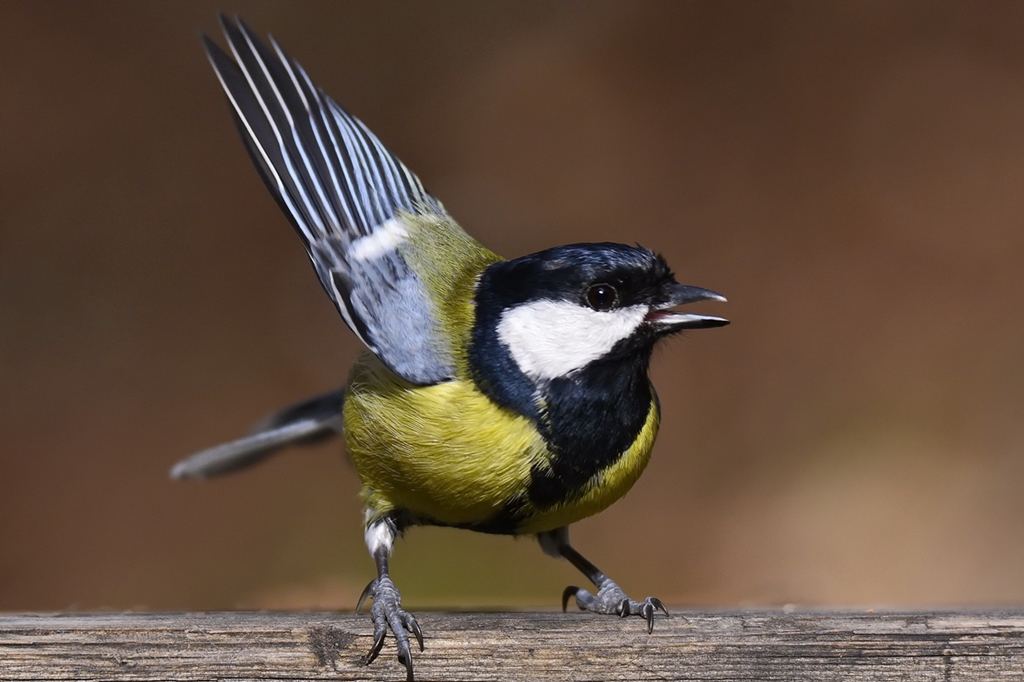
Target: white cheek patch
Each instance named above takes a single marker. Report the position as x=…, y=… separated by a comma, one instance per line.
x=383, y=239
x=549, y=339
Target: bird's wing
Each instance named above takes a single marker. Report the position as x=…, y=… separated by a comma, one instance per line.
x=350, y=199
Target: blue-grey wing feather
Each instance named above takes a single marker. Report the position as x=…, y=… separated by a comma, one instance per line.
x=337, y=184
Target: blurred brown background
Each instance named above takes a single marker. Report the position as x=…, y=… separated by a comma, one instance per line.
x=850, y=175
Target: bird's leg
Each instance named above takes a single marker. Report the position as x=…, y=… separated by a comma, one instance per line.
x=610, y=599
x=387, y=611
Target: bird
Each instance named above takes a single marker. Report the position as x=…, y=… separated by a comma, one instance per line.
x=505, y=396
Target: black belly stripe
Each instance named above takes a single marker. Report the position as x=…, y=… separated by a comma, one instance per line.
x=591, y=419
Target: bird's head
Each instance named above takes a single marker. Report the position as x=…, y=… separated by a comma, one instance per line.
x=554, y=312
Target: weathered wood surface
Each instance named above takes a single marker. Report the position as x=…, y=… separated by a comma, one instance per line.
x=756, y=645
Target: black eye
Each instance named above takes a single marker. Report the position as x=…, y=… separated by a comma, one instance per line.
x=602, y=296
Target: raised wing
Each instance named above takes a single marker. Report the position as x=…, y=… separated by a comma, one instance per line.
x=350, y=199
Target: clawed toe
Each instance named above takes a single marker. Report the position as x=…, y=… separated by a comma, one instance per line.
x=387, y=613
x=412, y=626
x=570, y=591
x=380, y=632
x=611, y=600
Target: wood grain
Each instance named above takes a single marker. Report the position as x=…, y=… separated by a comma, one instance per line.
x=748, y=645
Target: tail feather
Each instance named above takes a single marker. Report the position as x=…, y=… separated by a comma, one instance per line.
x=309, y=421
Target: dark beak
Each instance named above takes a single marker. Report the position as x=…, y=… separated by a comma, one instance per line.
x=666, y=320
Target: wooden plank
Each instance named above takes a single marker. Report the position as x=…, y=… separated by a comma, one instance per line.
x=749, y=645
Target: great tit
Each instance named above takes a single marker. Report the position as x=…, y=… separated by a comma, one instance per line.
x=501, y=396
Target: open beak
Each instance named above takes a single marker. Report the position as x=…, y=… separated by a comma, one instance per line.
x=666, y=320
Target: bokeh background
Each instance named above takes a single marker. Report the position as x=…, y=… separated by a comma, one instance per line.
x=849, y=174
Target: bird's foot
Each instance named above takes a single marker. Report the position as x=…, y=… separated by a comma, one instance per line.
x=610, y=599
x=387, y=612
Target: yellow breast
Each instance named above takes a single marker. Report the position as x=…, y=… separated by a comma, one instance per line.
x=447, y=453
